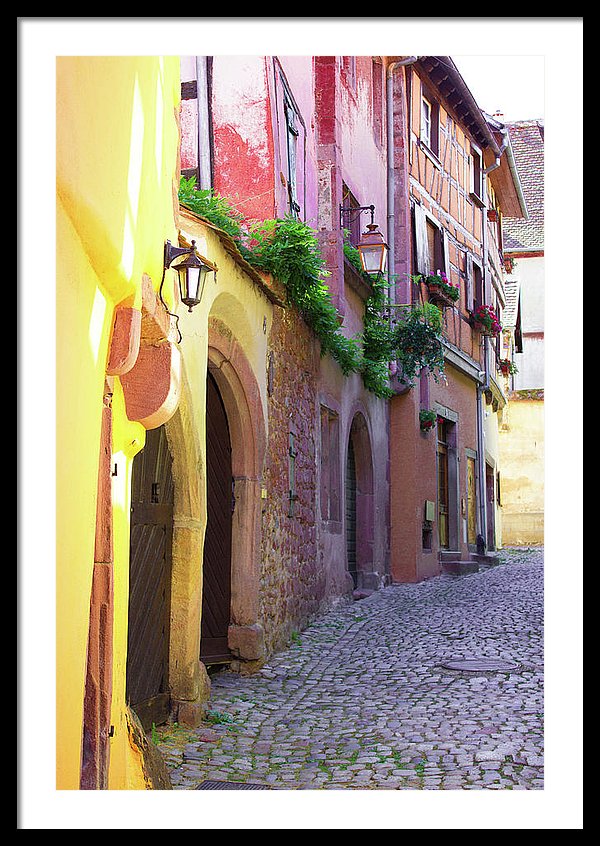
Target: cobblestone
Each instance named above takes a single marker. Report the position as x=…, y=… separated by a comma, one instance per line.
x=363, y=700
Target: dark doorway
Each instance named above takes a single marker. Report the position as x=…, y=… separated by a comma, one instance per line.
x=351, y=513
x=216, y=589
x=490, y=486
x=150, y=567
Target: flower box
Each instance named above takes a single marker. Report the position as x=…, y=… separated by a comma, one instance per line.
x=485, y=322
x=507, y=367
x=427, y=420
x=441, y=290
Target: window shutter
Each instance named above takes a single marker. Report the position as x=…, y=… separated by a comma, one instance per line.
x=469, y=283
x=446, y=252
x=421, y=245
x=292, y=142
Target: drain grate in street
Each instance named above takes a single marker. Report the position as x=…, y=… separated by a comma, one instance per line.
x=480, y=665
x=231, y=785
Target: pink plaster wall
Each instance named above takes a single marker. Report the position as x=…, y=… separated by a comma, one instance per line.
x=243, y=142
x=303, y=561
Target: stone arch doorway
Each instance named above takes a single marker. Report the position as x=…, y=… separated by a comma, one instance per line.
x=240, y=396
x=359, y=501
x=239, y=393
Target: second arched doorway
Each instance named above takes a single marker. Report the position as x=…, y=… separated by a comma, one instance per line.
x=216, y=579
x=359, y=510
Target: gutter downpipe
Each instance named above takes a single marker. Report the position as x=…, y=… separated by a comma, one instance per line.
x=484, y=383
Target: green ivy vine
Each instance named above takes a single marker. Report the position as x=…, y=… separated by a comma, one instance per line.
x=288, y=249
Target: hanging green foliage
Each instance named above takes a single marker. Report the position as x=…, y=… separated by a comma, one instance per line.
x=288, y=249
x=214, y=208
x=418, y=341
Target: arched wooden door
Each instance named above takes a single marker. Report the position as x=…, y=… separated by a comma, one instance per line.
x=216, y=585
x=150, y=566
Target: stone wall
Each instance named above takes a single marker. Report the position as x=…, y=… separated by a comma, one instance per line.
x=292, y=583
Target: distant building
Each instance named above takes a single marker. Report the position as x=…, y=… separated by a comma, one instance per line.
x=522, y=425
x=523, y=241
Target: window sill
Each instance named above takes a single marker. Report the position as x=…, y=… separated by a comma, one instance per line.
x=477, y=200
x=430, y=154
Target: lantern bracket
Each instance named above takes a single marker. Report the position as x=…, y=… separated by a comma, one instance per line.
x=349, y=214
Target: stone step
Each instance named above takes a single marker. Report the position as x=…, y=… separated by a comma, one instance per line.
x=489, y=559
x=459, y=568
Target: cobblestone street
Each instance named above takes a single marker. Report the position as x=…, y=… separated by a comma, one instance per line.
x=375, y=695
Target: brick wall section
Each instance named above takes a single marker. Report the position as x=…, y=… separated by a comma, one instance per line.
x=292, y=584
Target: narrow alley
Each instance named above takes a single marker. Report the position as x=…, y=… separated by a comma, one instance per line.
x=429, y=686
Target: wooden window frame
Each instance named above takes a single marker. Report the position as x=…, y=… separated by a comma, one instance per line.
x=351, y=217
x=425, y=263
x=292, y=120
x=429, y=137
x=474, y=288
x=477, y=176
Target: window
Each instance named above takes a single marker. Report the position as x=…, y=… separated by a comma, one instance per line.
x=292, y=133
x=477, y=180
x=431, y=244
x=434, y=248
x=426, y=121
x=351, y=215
x=474, y=283
x=291, y=148
x=430, y=118
x=330, y=465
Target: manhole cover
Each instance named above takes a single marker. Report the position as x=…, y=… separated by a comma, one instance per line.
x=481, y=665
x=230, y=785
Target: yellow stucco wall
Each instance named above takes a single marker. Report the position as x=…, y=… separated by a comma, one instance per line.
x=116, y=166
x=492, y=458
x=521, y=445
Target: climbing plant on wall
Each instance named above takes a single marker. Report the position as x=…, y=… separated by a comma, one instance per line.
x=289, y=250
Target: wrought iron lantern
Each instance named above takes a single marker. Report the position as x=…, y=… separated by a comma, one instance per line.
x=192, y=270
x=371, y=246
x=373, y=250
